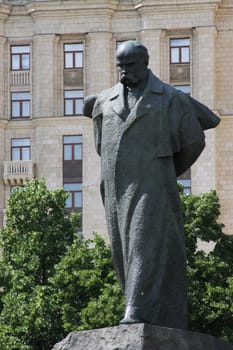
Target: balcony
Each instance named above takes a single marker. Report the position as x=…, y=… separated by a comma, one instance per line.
x=16, y=172
x=20, y=78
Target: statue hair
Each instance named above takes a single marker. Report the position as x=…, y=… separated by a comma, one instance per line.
x=141, y=50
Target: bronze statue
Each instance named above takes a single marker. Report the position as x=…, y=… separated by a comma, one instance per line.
x=147, y=133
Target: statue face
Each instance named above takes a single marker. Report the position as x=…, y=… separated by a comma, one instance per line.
x=132, y=66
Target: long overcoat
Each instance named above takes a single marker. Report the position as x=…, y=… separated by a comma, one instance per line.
x=139, y=151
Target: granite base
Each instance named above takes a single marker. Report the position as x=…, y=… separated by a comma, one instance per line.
x=140, y=337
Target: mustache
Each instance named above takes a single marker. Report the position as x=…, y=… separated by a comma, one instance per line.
x=127, y=80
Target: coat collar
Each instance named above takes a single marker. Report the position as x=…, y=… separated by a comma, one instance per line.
x=154, y=85
x=153, y=88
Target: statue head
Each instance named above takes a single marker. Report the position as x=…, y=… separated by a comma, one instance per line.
x=132, y=59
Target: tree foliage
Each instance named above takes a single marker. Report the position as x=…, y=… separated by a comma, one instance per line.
x=34, y=240
x=54, y=281
x=210, y=275
x=86, y=283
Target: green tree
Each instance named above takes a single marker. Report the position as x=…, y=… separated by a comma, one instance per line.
x=86, y=283
x=210, y=276
x=35, y=238
x=54, y=281
x=210, y=291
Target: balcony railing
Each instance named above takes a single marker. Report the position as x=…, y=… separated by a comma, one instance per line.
x=20, y=78
x=16, y=172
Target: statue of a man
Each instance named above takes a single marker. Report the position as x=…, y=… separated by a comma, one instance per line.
x=147, y=133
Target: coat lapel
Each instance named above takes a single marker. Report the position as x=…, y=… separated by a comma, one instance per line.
x=117, y=101
x=148, y=100
x=152, y=100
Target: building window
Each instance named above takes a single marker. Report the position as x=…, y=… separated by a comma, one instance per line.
x=14, y=188
x=20, y=57
x=20, y=104
x=74, y=201
x=20, y=149
x=72, y=159
x=184, y=88
x=72, y=147
x=180, y=51
x=119, y=42
x=73, y=102
x=73, y=56
x=72, y=172
x=185, y=181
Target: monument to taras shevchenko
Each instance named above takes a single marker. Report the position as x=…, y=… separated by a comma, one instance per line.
x=147, y=133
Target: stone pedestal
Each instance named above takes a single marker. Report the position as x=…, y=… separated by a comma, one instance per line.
x=140, y=337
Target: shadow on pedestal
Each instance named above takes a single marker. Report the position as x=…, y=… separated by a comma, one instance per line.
x=140, y=337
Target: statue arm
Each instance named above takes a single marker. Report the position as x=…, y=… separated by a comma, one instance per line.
x=98, y=134
x=188, y=138
x=88, y=105
x=92, y=108
x=97, y=117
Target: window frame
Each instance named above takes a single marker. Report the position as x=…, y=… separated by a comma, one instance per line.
x=74, y=100
x=72, y=144
x=179, y=47
x=21, y=104
x=15, y=187
x=183, y=87
x=73, y=53
x=21, y=148
x=185, y=180
x=72, y=195
x=20, y=56
x=187, y=185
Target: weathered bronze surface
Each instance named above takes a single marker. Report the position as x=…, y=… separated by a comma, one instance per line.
x=147, y=133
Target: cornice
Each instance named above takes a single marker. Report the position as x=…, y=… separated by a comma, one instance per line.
x=55, y=121
x=79, y=7
x=4, y=11
x=225, y=117
x=172, y=6
x=38, y=8
x=19, y=124
x=3, y=123
x=141, y=3
x=227, y=4
x=33, y=123
x=60, y=2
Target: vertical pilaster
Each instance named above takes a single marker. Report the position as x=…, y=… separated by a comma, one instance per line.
x=99, y=71
x=204, y=170
x=99, y=75
x=3, y=124
x=44, y=71
x=152, y=40
x=3, y=70
x=204, y=40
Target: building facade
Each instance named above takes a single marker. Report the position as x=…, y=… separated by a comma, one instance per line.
x=53, y=53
